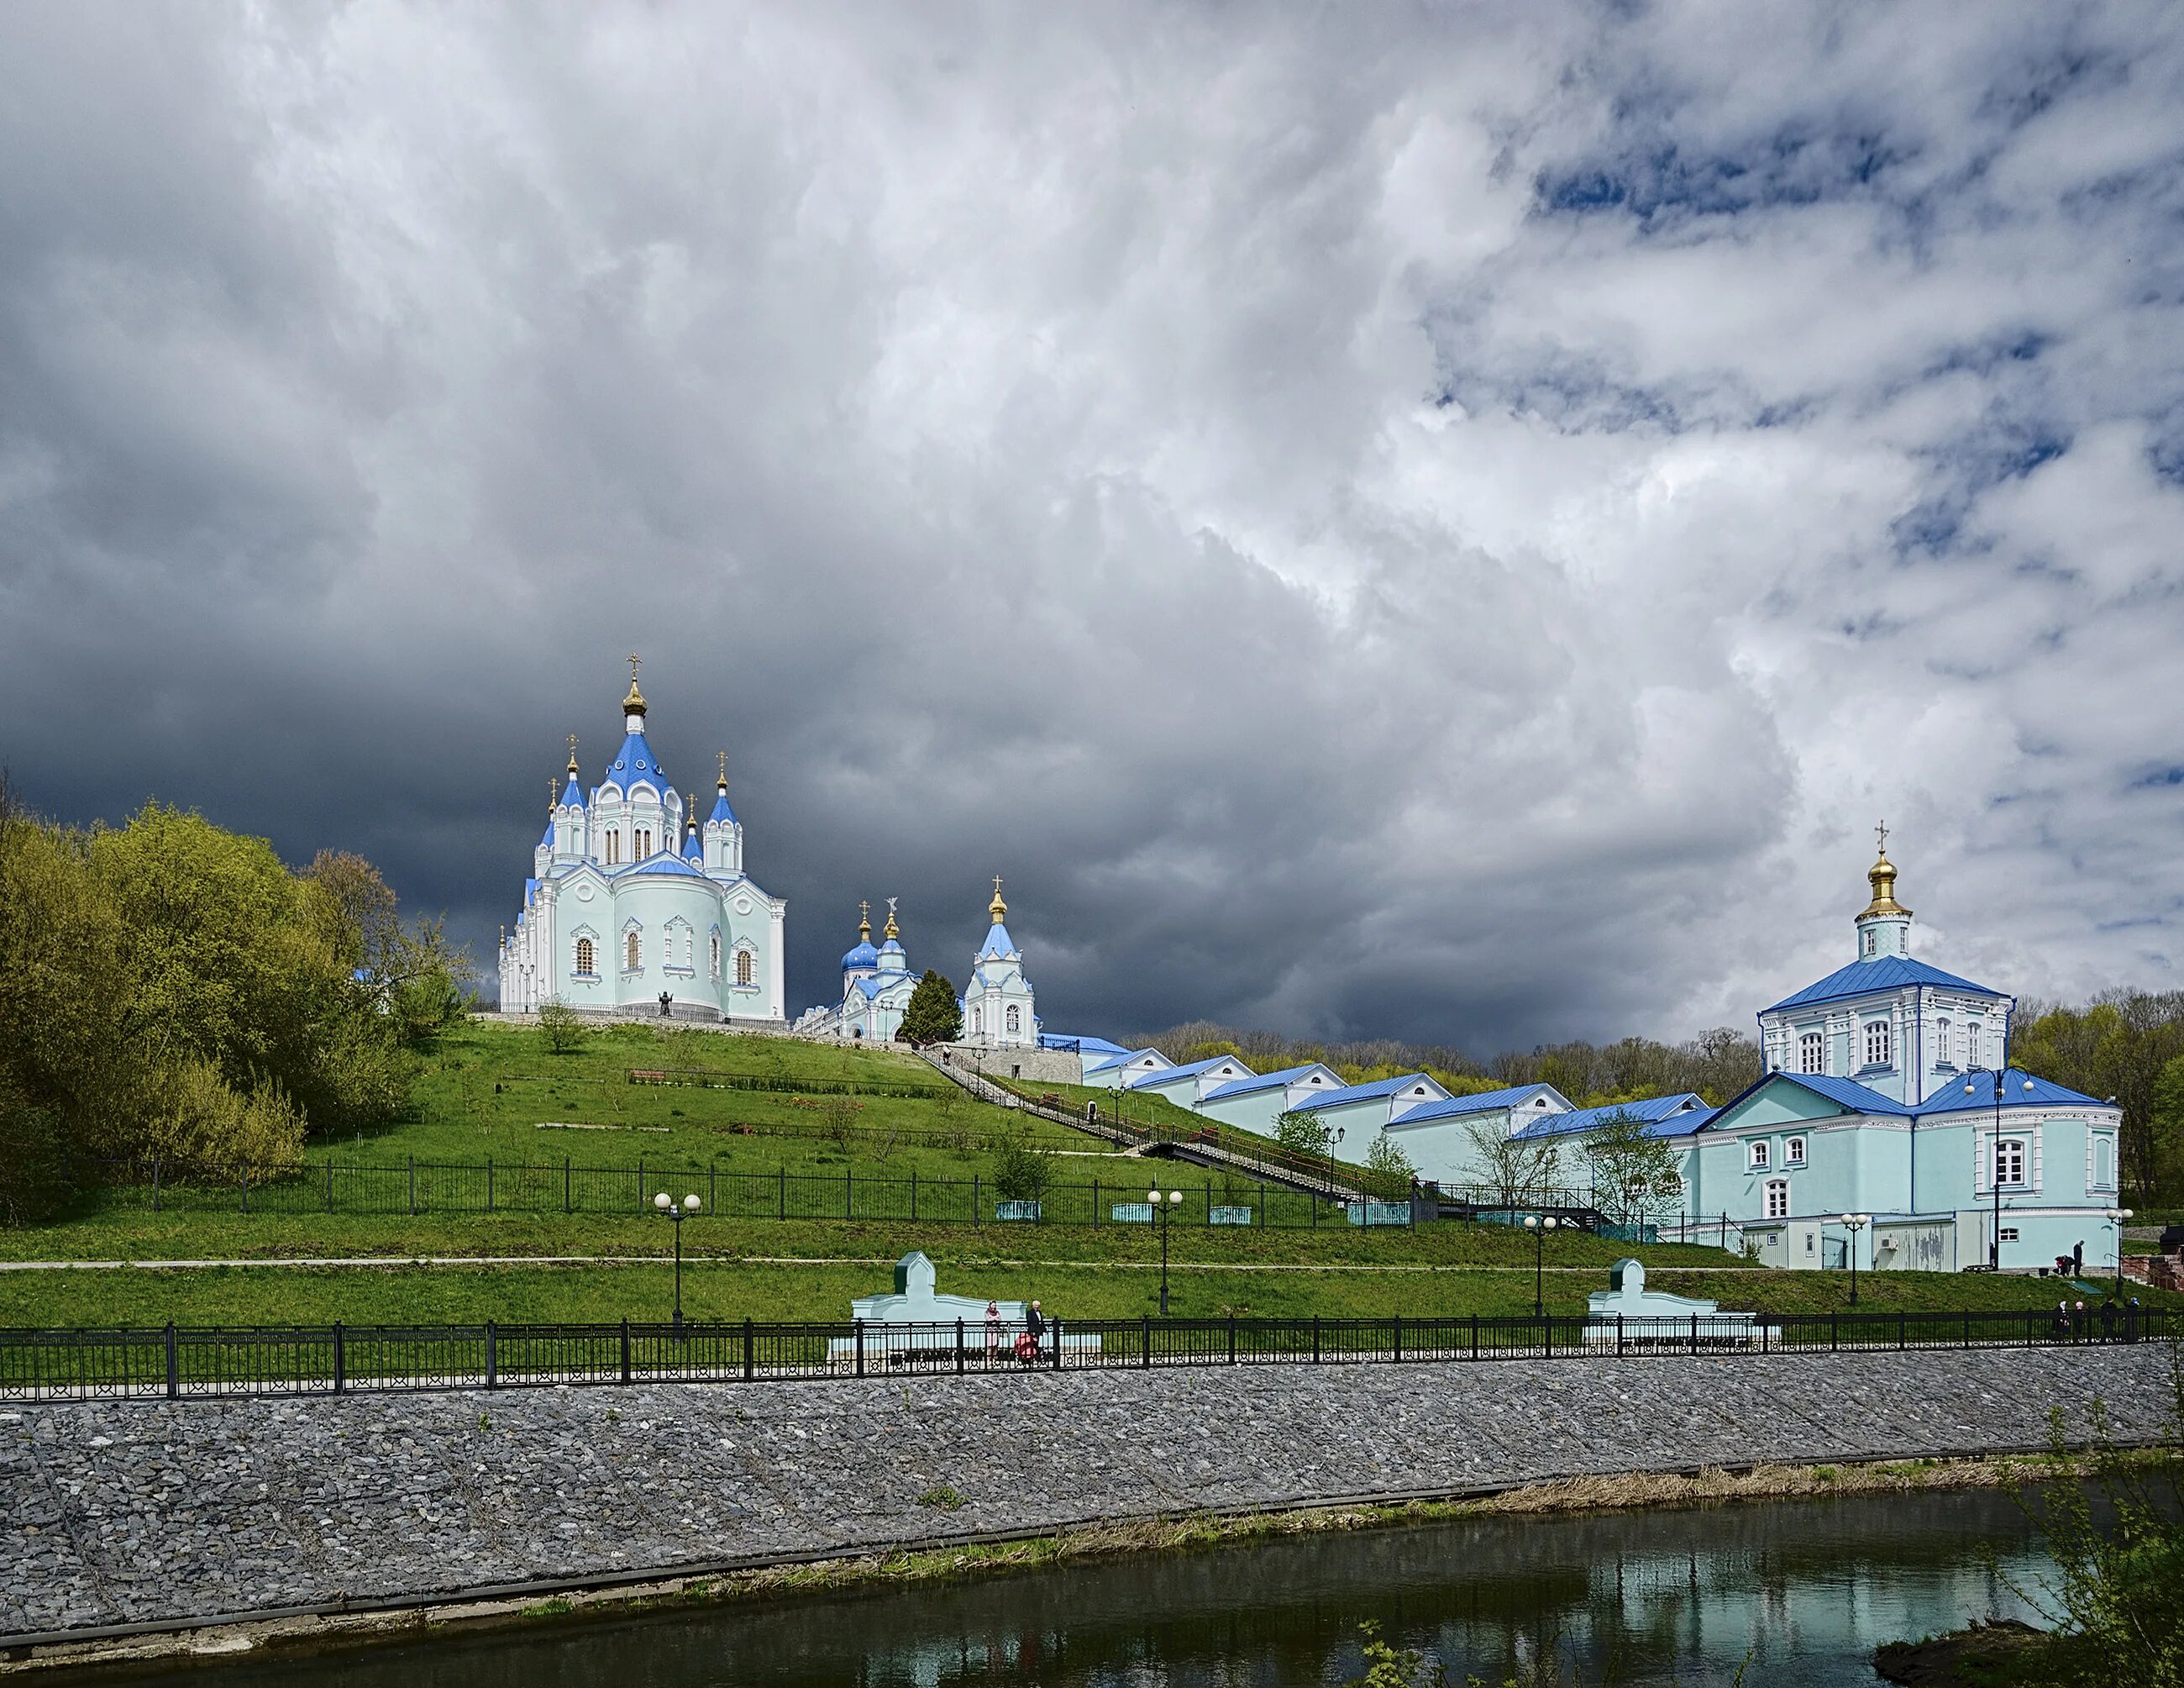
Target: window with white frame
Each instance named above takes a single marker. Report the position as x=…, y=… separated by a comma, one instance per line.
x=1761, y=1158
x=745, y=962
x=1812, y=1053
x=632, y=953
x=715, y=952
x=584, y=957
x=2009, y=1162
x=2103, y=1164
x=1793, y=1152
x=1942, y=1041
x=1016, y=1018
x=1777, y=1199
x=1971, y=1046
x=1872, y=941
x=2010, y=1233
x=1877, y=1044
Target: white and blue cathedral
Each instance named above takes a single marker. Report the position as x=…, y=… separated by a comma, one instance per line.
x=631, y=899
x=997, y=1005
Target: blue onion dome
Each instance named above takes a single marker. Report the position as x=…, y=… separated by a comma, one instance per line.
x=863, y=955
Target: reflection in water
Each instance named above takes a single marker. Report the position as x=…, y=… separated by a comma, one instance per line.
x=1805, y=1589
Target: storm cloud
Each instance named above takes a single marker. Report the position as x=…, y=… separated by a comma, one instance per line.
x=1440, y=522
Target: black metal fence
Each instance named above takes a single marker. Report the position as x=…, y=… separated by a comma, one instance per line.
x=171, y=1363
x=430, y=1186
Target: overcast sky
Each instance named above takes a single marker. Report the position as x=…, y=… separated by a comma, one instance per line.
x=1441, y=522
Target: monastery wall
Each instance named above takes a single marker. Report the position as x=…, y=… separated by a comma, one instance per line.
x=154, y=1514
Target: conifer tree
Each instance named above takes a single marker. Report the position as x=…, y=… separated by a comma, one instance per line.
x=932, y=1016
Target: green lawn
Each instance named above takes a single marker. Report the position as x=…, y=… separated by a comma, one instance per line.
x=824, y=1291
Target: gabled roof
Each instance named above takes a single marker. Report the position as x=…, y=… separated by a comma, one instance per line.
x=1125, y=1057
x=1189, y=1070
x=1661, y=1115
x=1879, y=973
x=1853, y=1097
x=1485, y=1102
x=1369, y=1092
x=1086, y=1045
x=1272, y=1080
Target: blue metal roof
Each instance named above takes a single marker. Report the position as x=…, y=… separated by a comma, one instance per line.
x=1122, y=1058
x=547, y=842
x=1854, y=1098
x=1362, y=1093
x=1880, y=973
x=573, y=798
x=721, y=809
x=1191, y=1071
x=693, y=849
x=892, y=947
x=1086, y=1045
x=665, y=865
x=1662, y=1116
x=1485, y=1102
x=860, y=955
x=998, y=942
x=632, y=762
x=1270, y=1081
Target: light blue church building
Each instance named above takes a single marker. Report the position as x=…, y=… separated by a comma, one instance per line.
x=1885, y=1093
x=632, y=899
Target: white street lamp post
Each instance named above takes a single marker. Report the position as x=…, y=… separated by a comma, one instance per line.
x=1539, y=1225
x=1854, y=1223
x=1160, y=1218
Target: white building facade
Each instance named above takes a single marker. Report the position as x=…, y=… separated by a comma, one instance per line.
x=632, y=900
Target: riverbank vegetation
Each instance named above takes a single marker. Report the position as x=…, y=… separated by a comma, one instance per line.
x=172, y=989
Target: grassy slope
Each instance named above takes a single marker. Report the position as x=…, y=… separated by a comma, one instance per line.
x=726, y=1290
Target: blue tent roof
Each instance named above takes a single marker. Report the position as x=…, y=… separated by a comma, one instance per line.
x=998, y=942
x=547, y=842
x=1881, y=973
x=573, y=797
x=721, y=809
x=1661, y=1115
x=1362, y=1092
x=693, y=849
x=632, y=762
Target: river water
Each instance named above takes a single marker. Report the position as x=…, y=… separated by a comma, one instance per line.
x=1794, y=1594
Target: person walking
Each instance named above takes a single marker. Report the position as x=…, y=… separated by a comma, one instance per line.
x=993, y=1331
x=1035, y=1327
x=2108, y=1320
x=2078, y=1260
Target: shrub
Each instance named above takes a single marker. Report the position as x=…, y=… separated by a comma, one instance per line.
x=1022, y=1171
x=1302, y=1133
x=560, y=1026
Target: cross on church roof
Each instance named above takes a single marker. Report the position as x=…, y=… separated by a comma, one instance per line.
x=1883, y=830
x=635, y=662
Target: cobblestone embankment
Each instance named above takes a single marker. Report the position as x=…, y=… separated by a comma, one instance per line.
x=131, y=1513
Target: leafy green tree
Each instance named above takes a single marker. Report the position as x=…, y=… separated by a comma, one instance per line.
x=1386, y=1158
x=1302, y=1133
x=560, y=1026
x=1632, y=1171
x=1022, y=1170
x=1518, y=1170
x=931, y=1016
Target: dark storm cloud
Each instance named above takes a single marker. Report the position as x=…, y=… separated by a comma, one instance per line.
x=1437, y=526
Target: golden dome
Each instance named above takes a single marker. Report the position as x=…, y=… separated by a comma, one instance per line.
x=1882, y=874
x=634, y=703
x=997, y=908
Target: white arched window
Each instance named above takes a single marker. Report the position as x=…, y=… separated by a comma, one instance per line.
x=1016, y=1018
x=717, y=955
x=743, y=967
x=2010, y=1161
x=631, y=952
x=585, y=958
x=1812, y=1053
x=1942, y=1031
x=1876, y=1043
x=614, y=846
x=1971, y=1048
x=978, y=1021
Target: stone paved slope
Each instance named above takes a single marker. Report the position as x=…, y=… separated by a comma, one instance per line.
x=133, y=1512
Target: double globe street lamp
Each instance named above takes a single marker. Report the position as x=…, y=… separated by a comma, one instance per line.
x=2116, y=1215
x=1538, y=1224
x=665, y=1204
x=1160, y=1219
x=1854, y=1223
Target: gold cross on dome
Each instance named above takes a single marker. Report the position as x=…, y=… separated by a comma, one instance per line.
x=997, y=884
x=723, y=756
x=864, y=911
x=1883, y=830
x=635, y=663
